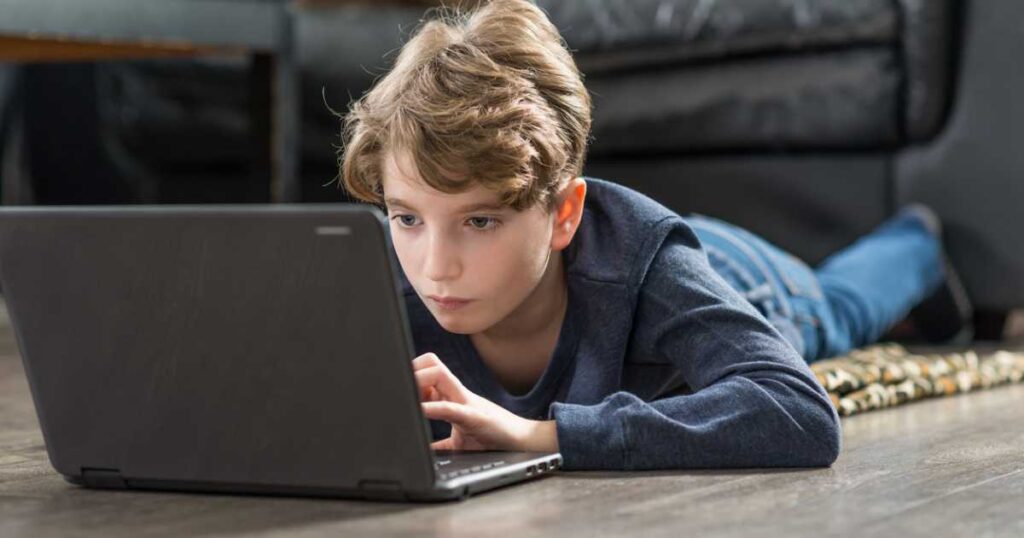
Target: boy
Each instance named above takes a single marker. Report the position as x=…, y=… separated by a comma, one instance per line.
x=556, y=312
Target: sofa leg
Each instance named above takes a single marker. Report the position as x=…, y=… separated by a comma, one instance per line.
x=990, y=324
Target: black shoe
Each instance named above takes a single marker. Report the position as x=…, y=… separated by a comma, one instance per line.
x=945, y=316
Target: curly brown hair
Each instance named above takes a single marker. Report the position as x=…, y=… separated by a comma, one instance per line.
x=491, y=96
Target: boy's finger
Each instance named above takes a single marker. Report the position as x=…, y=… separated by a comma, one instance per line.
x=426, y=360
x=451, y=412
x=441, y=379
x=443, y=444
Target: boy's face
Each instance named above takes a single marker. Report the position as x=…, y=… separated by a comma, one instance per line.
x=494, y=257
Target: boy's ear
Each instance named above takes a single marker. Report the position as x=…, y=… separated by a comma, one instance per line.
x=568, y=212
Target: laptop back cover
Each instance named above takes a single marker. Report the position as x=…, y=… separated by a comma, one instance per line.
x=217, y=345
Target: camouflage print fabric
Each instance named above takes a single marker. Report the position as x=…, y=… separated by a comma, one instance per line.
x=885, y=375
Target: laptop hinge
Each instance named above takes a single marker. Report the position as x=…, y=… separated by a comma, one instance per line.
x=103, y=478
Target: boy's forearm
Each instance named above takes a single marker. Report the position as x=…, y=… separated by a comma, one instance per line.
x=542, y=437
x=742, y=421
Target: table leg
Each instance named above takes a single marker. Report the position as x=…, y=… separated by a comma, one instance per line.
x=286, y=113
x=262, y=160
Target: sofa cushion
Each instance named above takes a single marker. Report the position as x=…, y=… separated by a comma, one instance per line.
x=626, y=34
x=829, y=100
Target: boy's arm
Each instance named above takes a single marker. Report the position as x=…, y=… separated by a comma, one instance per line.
x=755, y=403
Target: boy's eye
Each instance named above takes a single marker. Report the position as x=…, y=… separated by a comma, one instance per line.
x=405, y=220
x=481, y=223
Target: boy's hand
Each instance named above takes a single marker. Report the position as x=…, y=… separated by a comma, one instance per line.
x=477, y=423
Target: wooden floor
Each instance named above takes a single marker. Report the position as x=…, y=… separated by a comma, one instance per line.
x=943, y=467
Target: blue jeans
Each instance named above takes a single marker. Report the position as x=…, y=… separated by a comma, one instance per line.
x=850, y=300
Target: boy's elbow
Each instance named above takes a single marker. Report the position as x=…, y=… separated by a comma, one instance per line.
x=832, y=445
x=813, y=436
x=807, y=430
x=826, y=439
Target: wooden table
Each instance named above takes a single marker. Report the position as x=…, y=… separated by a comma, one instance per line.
x=944, y=467
x=99, y=30
x=104, y=30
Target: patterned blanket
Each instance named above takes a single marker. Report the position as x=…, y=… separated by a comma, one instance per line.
x=885, y=375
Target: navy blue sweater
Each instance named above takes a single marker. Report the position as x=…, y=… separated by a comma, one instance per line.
x=659, y=364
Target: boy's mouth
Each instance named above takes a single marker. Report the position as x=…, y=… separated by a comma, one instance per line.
x=449, y=303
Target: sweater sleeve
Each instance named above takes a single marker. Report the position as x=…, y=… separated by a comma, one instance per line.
x=754, y=401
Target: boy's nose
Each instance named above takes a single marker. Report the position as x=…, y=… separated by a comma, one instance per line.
x=440, y=262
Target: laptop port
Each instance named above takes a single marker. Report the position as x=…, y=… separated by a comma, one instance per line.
x=530, y=470
x=543, y=466
x=554, y=463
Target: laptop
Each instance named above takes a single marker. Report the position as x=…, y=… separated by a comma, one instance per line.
x=244, y=349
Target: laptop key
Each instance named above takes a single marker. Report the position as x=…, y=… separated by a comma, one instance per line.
x=454, y=473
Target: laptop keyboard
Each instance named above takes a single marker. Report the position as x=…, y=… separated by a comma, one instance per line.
x=452, y=469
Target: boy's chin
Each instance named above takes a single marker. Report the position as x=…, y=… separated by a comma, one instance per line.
x=459, y=323
x=455, y=326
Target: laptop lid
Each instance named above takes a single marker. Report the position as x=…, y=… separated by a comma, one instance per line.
x=218, y=345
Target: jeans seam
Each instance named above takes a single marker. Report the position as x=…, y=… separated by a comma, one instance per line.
x=740, y=271
x=814, y=292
